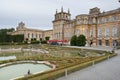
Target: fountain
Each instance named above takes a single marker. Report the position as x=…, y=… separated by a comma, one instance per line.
x=22, y=68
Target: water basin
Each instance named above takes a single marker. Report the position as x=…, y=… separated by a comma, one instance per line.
x=7, y=58
x=19, y=70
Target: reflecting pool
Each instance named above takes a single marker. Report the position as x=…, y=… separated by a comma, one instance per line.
x=7, y=58
x=19, y=70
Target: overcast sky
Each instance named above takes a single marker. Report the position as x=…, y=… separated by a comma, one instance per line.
x=39, y=14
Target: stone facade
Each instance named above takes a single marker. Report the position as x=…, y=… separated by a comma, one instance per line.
x=29, y=34
x=58, y=24
x=100, y=28
x=48, y=33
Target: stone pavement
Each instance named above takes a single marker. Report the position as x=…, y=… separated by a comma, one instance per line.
x=106, y=70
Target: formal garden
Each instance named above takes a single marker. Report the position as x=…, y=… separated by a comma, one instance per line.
x=14, y=49
x=64, y=58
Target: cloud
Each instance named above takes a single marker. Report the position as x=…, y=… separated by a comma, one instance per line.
x=40, y=13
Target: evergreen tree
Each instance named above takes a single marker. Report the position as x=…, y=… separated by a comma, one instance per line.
x=81, y=41
x=73, y=41
x=4, y=37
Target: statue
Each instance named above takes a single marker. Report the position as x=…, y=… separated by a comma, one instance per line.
x=28, y=72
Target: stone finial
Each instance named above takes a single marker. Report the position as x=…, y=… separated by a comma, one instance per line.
x=68, y=11
x=62, y=9
x=56, y=11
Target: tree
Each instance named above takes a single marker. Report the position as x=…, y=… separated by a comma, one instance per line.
x=81, y=41
x=17, y=38
x=4, y=37
x=73, y=41
x=47, y=38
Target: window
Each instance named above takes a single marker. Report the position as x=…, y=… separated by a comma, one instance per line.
x=114, y=32
x=28, y=35
x=69, y=34
x=99, y=32
x=78, y=32
x=91, y=33
x=107, y=32
x=36, y=35
x=106, y=19
x=115, y=18
x=78, y=21
x=32, y=35
x=100, y=42
x=91, y=21
x=39, y=35
x=100, y=21
x=107, y=42
x=85, y=21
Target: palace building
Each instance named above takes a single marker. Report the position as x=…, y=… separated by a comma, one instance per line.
x=100, y=28
x=29, y=34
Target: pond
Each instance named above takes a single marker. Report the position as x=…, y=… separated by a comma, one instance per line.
x=2, y=58
x=20, y=70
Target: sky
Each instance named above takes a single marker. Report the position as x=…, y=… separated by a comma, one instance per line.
x=39, y=14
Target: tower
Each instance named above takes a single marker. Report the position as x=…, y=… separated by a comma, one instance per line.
x=58, y=23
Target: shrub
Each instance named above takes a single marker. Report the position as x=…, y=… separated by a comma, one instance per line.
x=35, y=42
x=73, y=41
x=43, y=42
x=81, y=40
x=47, y=38
x=78, y=41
